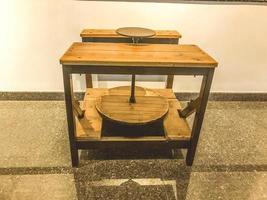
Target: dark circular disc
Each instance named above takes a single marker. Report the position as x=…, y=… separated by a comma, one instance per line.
x=135, y=32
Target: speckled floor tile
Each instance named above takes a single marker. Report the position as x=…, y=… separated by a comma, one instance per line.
x=233, y=133
x=123, y=163
x=142, y=177
x=37, y=187
x=115, y=169
x=33, y=134
x=175, y=170
x=230, y=186
x=134, y=189
x=191, y=185
x=123, y=176
x=230, y=163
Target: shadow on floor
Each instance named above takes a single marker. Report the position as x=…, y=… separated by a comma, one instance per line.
x=132, y=174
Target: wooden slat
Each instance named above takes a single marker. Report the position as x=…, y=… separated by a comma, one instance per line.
x=176, y=127
x=107, y=33
x=150, y=55
x=89, y=127
x=167, y=93
x=125, y=90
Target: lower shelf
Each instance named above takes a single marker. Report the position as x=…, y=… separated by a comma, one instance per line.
x=89, y=127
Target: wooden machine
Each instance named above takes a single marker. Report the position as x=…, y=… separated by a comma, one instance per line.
x=132, y=115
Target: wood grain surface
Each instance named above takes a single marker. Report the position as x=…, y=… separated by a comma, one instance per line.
x=89, y=128
x=112, y=33
x=117, y=108
x=142, y=55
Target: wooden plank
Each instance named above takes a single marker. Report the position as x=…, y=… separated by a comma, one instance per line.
x=126, y=90
x=95, y=92
x=89, y=127
x=140, y=142
x=152, y=55
x=176, y=128
x=167, y=93
x=111, y=33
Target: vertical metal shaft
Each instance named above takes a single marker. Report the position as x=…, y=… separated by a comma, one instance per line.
x=132, y=98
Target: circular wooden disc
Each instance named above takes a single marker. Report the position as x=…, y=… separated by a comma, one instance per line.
x=126, y=90
x=146, y=109
x=135, y=32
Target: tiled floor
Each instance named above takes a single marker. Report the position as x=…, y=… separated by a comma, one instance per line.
x=231, y=160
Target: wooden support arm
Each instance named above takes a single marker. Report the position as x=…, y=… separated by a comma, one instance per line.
x=77, y=109
x=190, y=108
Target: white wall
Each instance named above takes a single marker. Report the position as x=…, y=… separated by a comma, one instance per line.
x=35, y=33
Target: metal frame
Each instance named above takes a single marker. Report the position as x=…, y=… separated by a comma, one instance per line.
x=191, y=145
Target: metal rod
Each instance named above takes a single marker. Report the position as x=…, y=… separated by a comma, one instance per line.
x=132, y=97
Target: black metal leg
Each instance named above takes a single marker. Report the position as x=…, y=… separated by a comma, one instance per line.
x=204, y=95
x=70, y=118
x=132, y=97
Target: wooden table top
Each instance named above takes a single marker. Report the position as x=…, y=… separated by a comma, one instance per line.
x=142, y=55
x=112, y=33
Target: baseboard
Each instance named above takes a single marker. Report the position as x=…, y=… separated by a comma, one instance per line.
x=36, y=96
x=225, y=96
x=183, y=96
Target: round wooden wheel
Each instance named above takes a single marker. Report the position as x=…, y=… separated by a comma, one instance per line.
x=135, y=32
x=117, y=108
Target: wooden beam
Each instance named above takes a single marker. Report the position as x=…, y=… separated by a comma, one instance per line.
x=77, y=109
x=190, y=108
